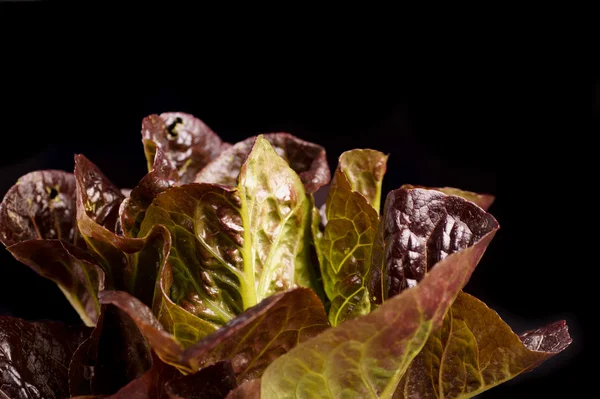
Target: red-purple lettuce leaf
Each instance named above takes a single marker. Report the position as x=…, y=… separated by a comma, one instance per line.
x=248, y=390
x=234, y=247
x=37, y=224
x=420, y=228
x=165, y=345
x=475, y=351
x=162, y=176
x=214, y=381
x=367, y=356
x=40, y=206
x=346, y=243
x=186, y=141
x=130, y=264
x=115, y=354
x=308, y=160
x=34, y=357
x=251, y=341
x=73, y=269
x=150, y=385
x=262, y=333
x=484, y=201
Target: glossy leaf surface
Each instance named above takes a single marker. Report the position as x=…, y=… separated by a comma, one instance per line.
x=234, y=247
x=185, y=140
x=366, y=357
x=420, y=228
x=475, y=351
x=308, y=160
x=34, y=358
x=347, y=241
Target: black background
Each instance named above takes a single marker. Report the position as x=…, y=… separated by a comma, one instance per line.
x=504, y=128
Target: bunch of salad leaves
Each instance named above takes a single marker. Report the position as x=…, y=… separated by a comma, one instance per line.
x=219, y=276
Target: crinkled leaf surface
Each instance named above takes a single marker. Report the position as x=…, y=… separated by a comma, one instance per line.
x=421, y=227
x=234, y=247
x=475, y=351
x=34, y=357
x=115, y=354
x=251, y=341
x=346, y=243
x=307, y=159
x=186, y=141
x=38, y=226
x=162, y=176
x=187, y=328
x=367, y=356
x=262, y=333
x=130, y=264
x=41, y=205
x=248, y=390
x=214, y=381
x=484, y=201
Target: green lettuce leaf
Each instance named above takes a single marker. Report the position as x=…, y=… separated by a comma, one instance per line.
x=234, y=247
x=364, y=171
x=475, y=351
x=366, y=357
x=162, y=176
x=251, y=341
x=420, y=228
x=308, y=160
x=34, y=357
x=38, y=226
x=186, y=141
x=262, y=333
x=346, y=243
x=484, y=201
x=186, y=328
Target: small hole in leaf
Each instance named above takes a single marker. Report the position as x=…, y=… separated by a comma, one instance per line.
x=172, y=128
x=53, y=193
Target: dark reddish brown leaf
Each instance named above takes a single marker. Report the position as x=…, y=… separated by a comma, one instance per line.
x=214, y=381
x=484, y=201
x=186, y=141
x=34, y=357
x=420, y=228
x=162, y=176
x=115, y=354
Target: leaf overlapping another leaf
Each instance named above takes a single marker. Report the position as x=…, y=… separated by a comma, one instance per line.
x=251, y=341
x=38, y=226
x=421, y=227
x=234, y=247
x=188, y=143
x=475, y=351
x=308, y=160
x=484, y=201
x=346, y=243
x=366, y=357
